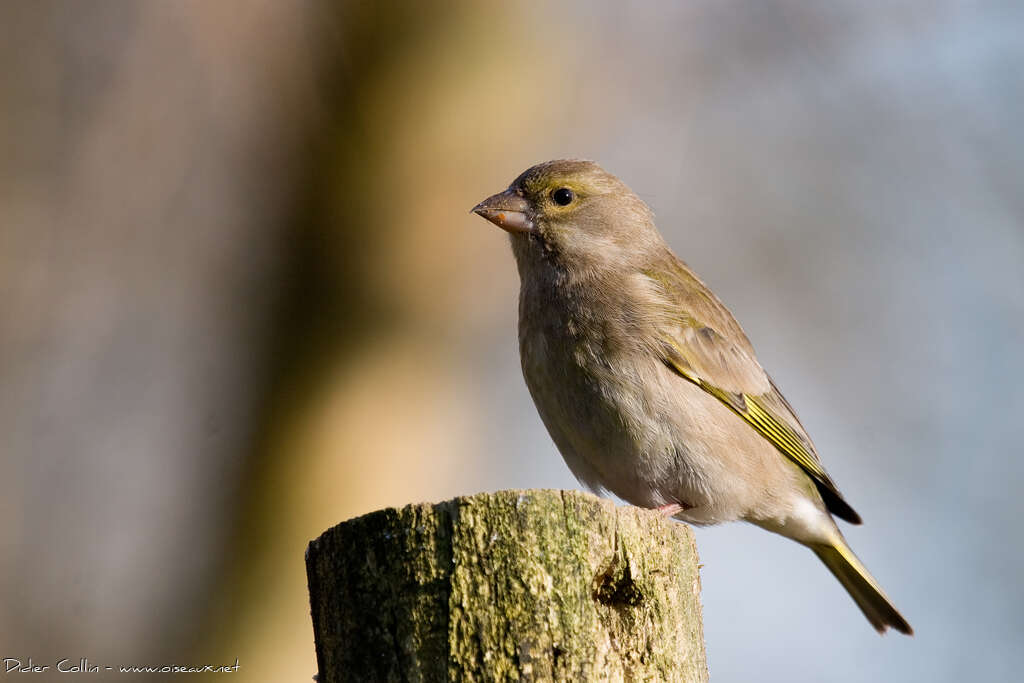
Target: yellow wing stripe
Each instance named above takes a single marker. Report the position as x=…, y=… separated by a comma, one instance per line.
x=747, y=407
x=768, y=424
x=783, y=437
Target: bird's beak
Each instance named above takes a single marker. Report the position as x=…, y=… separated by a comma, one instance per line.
x=507, y=210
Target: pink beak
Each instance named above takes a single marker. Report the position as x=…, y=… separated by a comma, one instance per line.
x=507, y=210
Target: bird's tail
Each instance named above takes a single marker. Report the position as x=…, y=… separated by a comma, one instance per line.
x=861, y=586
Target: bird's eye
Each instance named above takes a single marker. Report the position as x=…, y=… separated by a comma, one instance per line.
x=563, y=196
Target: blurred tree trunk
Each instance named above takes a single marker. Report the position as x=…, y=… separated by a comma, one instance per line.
x=517, y=585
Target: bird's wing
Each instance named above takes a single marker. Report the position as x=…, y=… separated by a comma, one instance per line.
x=703, y=343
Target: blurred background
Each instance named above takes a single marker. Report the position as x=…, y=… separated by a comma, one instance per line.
x=243, y=300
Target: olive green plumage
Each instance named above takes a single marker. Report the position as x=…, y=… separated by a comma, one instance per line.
x=648, y=385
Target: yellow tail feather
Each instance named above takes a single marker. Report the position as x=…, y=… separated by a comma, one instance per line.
x=862, y=587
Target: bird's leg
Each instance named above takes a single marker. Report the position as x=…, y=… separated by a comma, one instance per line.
x=670, y=509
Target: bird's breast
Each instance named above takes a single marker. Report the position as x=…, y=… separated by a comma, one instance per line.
x=590, y=382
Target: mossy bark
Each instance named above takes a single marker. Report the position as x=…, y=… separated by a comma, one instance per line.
x=516, y=585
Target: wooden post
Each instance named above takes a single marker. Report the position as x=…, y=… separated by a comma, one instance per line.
x=516, y=585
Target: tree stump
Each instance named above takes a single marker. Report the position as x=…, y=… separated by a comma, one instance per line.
x=515, y=585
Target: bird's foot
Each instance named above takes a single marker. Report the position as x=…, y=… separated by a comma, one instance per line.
x=671, y=509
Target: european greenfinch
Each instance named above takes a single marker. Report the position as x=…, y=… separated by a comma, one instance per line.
x=647, y=384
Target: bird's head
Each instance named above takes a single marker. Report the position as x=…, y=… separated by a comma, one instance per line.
x=574, y=212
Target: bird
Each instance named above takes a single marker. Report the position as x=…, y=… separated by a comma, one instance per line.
x=646, y=383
